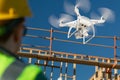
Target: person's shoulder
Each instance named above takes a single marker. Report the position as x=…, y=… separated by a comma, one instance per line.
x=34, y=72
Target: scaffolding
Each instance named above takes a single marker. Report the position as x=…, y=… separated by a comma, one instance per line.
x=61, y=60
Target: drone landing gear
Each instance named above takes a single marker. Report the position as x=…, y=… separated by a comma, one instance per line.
x=93, y=35
x=82, y=34
x=86, y=41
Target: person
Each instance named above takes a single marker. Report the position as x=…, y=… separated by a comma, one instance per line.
x=12, y=18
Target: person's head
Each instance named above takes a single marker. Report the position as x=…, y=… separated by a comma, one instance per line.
x=12, y=17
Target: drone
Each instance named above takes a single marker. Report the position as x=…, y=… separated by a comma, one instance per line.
x=84, y=26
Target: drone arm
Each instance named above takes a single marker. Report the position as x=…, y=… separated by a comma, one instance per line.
x=94, y=21
x=70, y=34
x=102, y=20
x=77, y=11
x=68, y=24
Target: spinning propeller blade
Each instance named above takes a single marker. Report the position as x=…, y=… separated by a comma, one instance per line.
x=93, y=15
x=83, y=5
x=66, y=18
x=107, y=14
x=54, y=21
x=69, y=8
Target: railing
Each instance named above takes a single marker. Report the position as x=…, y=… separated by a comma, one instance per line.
x=71, y=57
x=46, y=54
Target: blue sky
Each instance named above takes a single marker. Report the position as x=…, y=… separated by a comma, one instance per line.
x=43, y=9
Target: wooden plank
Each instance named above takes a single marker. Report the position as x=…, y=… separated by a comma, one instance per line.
x=70, y=60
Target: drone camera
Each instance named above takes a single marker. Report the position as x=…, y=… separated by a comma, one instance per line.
x=85, y=26
x=79, y=28
x=82, y=25
x=82, y=35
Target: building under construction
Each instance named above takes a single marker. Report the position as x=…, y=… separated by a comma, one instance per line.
x=57, y=62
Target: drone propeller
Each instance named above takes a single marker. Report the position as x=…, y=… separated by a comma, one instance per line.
x=54, y=21
x=66, y=18
x=107, y=14
x=96, y=17
x=69, y=8
x=81, y=4
x=93, y=15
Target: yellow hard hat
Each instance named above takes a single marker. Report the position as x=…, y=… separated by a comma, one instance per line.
x=11, y=9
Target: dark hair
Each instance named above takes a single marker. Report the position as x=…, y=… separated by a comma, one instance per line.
x=7, y=27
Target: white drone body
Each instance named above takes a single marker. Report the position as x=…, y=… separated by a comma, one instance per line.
x=84, y=26
x=81, y=25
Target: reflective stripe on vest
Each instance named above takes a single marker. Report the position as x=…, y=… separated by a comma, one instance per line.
x=12, y=69
x=30, y=73
x=5, y=62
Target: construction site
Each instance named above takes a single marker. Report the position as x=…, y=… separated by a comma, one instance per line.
x=59, y=65
x=59, y=40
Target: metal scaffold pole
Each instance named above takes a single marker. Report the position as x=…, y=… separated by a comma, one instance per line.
x=74, y=69
x=115, y=58
x=51, y=75
x=66, y=69
x=30, y=59
x=46, y=57
x=51, y=38
x=45, y=63
x=61, y=64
